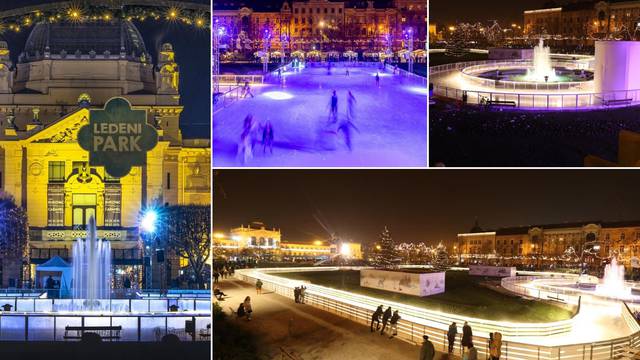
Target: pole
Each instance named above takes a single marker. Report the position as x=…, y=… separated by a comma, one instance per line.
x=216, y=58
x=410, y=51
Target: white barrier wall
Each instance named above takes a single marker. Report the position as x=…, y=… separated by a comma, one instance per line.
x=617, y=66
x=418, y=284
x=493, y=271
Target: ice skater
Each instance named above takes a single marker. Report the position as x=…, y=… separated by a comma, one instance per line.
x=245, y=147
x=345, y=127
x=333, y=115
x=329, y=69
x=246, y=90
x=267, y=138
x=378, y=79
x=351, y=106
x=348, y=73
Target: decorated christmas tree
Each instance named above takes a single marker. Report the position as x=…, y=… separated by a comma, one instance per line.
x=441, y=261
x=388, y=256
x=457, y=43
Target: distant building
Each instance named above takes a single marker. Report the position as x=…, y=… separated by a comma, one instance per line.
x=256, y=240
x=594, y=19
x=549, y=243
x=322, y=24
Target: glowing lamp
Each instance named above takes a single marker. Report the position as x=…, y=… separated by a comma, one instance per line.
x=345, y=250
x=148, y=221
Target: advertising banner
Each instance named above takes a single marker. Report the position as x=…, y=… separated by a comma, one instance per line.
x=492, y=271
x=418, y=284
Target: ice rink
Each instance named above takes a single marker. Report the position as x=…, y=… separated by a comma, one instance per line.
x=391, y=121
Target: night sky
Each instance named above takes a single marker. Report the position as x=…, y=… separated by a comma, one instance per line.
x=443, y=12
x=193, y=55
x=418, y=205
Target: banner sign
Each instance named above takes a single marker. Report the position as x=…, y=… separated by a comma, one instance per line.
x=492, y=271
x=117, y=137
x=418, y=284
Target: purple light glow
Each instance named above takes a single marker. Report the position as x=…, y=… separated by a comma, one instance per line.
x=278, y=95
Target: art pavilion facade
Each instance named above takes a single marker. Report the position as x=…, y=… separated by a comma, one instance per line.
x=65, y=71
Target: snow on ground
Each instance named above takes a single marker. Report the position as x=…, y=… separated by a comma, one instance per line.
x=391, y=121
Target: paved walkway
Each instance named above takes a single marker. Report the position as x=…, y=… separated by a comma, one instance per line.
x=309, y=333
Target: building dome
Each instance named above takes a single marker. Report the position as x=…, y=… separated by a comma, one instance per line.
x=117, y=38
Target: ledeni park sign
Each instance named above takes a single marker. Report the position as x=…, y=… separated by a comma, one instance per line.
x=117, y=137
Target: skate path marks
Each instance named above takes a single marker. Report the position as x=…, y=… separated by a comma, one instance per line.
x=315, y=334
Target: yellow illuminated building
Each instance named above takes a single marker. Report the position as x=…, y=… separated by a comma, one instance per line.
x=64, y=71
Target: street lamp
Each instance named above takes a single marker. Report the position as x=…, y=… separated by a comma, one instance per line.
x=148, y=232
x=218, y=33
x=265, y=63
x=409, y=36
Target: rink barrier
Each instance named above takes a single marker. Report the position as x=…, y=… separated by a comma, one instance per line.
x=135, y=328
x=411, y=329
x=529, y=100
x=45, y=305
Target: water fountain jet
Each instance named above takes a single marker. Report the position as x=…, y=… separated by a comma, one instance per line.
x=91, y=269
x=542, y=70
x=613, y=284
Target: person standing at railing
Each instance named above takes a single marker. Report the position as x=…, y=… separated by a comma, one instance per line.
x=427, y=351
x=467, y=337
x=385, y=319
x=451, y=336
x=495, y=346
x=394, y=324
x=375, y=317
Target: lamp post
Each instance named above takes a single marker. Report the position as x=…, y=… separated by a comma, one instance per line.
x=147, y=229
x=265, y=59
x=409, y=37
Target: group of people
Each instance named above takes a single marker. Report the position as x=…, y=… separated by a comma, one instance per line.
x=253, y=132
x=384, y=318
x=299, y=292
x=344, y=126
x=221, y=272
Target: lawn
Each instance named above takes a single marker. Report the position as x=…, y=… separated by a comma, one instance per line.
x=464, y=295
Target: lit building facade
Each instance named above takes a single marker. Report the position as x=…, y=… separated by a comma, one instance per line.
x=66, y=70
x=586, y=19
x=322, y=25
x=547, y=244
x=256, y=239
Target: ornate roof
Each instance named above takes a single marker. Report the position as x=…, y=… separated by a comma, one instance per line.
x=89, y=39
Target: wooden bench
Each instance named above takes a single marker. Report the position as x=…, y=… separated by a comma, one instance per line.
x=105, y=332
x=501, y=103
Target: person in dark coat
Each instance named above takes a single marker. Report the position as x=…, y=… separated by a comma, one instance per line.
x=428, y=351
x=394, y=323
x=451, y=336
x=375, y=317
x=467, y=336
x=49, y=283
x=240, y=312
x=296, y=294
x=385, y=319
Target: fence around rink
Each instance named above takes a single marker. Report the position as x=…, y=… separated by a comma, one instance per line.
x=528, y=100
x=412, y=327
x=149, y=305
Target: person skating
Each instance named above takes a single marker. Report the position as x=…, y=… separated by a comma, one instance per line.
x=375, y=317
x=451, y=336
x=427, y=352
x=258, y=286
x=351, y=106
x=247, y=307
x=495, y=346
x=333, y=114
x=378, y=79
x=267, y=138
x=246, y=90
x=345, y=127
x=385, y=319
x=394, y=324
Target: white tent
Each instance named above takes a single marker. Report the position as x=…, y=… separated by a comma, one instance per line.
x=60, y=271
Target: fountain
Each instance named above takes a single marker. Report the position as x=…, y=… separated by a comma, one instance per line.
x=91, y=269
x=542, y=70
x=613, y=284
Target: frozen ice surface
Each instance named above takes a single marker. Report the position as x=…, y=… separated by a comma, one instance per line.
x=391, y=121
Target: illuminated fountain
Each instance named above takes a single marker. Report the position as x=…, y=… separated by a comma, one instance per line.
x=613, y=284
x=542, y=70
x=91, y=269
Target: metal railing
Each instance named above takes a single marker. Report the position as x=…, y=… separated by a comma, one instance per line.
x=411, y=329
x=239, y=79
x=404, y=73
x=112, y=305
x=136, y=328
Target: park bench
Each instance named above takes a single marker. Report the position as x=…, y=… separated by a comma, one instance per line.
x=617, y=102
x=105, y=332
x=501, y=103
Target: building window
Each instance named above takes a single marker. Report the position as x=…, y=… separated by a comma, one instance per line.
x=56, y=171
x=84, y=207
x=55, y=205
x=168, y=181
x=112, y=204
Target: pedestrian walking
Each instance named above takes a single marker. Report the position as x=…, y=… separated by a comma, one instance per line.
x=451, y=336
x=375, y=317
x=427, y=352
x=385, y=319
x=216, y=275
x=259, y=287
x=247, y=307
x=495, y=346
x=394, y=324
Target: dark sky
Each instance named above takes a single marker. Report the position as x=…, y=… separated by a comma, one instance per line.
x=419, y=205
x=193, y=54
x=443, y=12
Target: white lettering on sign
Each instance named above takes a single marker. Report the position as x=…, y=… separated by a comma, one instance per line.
x=117, y=137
